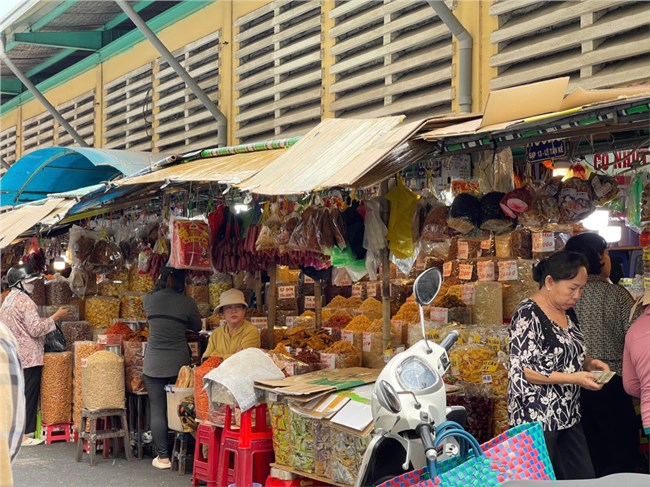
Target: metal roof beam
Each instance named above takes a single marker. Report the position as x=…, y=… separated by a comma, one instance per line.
x=11, y=86
x=39, y=96
x=80, y=40
x=222, y=121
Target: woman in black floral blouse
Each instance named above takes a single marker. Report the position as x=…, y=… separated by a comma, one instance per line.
x=549, y=363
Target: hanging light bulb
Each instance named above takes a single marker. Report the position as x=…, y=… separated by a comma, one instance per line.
x=598, y=220
x=59, y=263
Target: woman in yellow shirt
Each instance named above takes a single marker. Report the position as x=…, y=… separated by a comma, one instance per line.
x=237, y=334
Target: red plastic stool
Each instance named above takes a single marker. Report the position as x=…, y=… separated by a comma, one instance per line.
x=56, y=432
x=205, y=466
x=246, y=452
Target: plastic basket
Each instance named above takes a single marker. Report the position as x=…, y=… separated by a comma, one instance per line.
x=174, y=397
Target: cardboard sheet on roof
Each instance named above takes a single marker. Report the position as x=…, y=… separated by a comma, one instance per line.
x=524, y=101
x=581, y=97
x=306, y=387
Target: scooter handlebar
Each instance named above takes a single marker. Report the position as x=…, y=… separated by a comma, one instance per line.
x=424, y=431
x=449, y=340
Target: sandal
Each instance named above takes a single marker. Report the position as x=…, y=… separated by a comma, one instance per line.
x=159, y=464
x=33, y=442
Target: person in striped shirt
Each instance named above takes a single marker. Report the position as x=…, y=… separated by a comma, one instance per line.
x=12, y=404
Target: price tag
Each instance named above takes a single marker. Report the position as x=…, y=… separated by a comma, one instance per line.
x=310, y=302
x=467, y=294
x=474, y=338
x=494, y=343
x=286, y=292
x=486, y=378
x=465, y=272
x=328, y=360
x=291, y=321
x=433, y=335
x=371, y=289
x=463, y=249
x=543, y=242
x=102, y=339
x=347, y=336
x=398, y=324
x=455, y=370
x=446, y=269
x=440, y=315
x=420, y=265
x=490, y=366
x=367, y=341
x=486, y=244
x=357, y=290
x=328, y=329
x=259, y=321
x=308, y=280
x=485, y=271
x=84, y=362
x=342, y=277
x=508, y=270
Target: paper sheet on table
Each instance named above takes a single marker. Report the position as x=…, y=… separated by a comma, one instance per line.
x=354, y=415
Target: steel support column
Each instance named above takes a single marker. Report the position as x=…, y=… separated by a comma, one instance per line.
x=222, y=121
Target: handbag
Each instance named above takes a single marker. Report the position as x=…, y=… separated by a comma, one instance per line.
x=55, y=341
x=517, y=454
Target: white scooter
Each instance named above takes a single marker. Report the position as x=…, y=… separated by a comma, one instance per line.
x=409, y=401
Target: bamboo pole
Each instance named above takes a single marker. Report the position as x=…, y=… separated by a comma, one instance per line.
x=385, y=275
x=272, y=301
x=318, y=297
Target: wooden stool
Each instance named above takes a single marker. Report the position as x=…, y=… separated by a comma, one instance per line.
x=179, y=453
x=117, y=416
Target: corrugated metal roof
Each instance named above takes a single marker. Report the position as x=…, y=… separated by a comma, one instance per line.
x=15, y=222
x=223, y=169
x=338, y=152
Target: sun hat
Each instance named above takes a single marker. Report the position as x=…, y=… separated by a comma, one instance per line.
x=231, y=296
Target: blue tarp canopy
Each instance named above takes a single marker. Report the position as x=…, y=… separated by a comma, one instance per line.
x=60, y=169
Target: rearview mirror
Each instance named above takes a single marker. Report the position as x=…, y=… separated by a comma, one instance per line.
x=427, y=285
x=387, y=397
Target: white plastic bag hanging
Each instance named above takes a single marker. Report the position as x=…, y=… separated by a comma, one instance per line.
x=374, y=237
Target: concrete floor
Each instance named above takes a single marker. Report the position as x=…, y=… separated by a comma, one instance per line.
x=55, y=464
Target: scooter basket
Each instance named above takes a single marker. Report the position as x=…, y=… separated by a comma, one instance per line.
x=517, y=454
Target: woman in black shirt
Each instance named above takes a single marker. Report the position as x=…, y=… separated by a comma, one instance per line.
x=549, y=363
x=170, y=314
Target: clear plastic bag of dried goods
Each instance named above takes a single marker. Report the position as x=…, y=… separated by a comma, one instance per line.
x=106, y=255
x=270, y=231
x=103, y=381
x=477, y=400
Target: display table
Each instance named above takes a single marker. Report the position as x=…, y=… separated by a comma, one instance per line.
x=137, y=410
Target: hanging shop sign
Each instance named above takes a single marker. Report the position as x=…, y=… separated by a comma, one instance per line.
x=618, y=161
x=548, y=149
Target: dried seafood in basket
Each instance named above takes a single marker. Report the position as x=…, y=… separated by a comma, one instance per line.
x=75, y=331
x=345, y=355
x=103, y=381
x=82, y=350
x=56, y=388
x=101, y=310
x=114, y=283
x=132, y=306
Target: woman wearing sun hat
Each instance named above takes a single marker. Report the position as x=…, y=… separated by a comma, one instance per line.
x=20, y=313
x=237, y=333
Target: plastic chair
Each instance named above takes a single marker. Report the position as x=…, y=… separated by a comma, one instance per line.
x=205, y=463
x=246, y=452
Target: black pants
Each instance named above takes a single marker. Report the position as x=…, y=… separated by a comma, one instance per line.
x=611, y=428
x=569, y=453
x=158, y=404
x=32, y=377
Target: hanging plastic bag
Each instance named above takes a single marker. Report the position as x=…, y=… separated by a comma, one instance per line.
x=374, y=236
x=633, y=203
x=78, y=281
x=270, y=231
x=403, y=206
x=106, y=255
x=190, y=244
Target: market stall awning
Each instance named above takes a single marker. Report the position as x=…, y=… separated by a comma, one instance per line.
x=58, y=169
x=15, y=222
x=339, y=152
x=223, y=169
